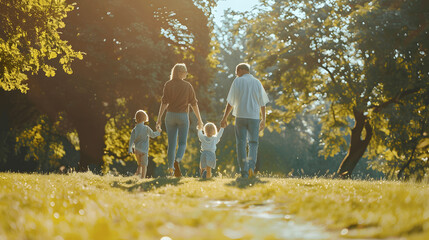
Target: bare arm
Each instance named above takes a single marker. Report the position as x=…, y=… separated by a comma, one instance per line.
x=219, y=134
x=197, y=114
x=228, y=110
x=162, y=109
x=263, y=115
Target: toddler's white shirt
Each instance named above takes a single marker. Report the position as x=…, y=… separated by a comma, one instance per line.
x=209, y=143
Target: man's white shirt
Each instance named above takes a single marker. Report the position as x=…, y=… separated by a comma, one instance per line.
x=247, y=96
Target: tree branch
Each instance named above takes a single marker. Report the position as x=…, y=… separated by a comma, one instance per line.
x=399, y=96
x=330, y=74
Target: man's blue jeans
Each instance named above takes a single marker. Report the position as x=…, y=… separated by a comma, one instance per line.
x=177, y=126
x=246, y=133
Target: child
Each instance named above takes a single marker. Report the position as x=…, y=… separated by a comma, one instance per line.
x=140, y=139
x=208, y=148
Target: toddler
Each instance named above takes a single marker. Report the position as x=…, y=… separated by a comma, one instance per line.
x=208, y=148
x=140, y=140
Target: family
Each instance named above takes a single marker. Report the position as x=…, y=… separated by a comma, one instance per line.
x=246, y=99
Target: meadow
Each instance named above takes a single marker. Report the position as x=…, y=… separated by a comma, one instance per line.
x=87, y=206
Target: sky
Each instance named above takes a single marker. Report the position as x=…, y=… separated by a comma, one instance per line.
x=236, y=5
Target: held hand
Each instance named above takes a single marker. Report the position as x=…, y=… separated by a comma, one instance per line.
x=262, y=125
x=200, y=125
x=158, y=126
x=223, y=123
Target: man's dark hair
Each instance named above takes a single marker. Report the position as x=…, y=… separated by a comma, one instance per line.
x=243, y=66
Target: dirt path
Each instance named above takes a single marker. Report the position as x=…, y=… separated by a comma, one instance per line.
x=266, y=221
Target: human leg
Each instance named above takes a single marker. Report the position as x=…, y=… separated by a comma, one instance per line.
x=203, y=162
x=253, y=130
x=241, y=140
x=144, y=163
x=209, y=172
x=183, y=128
x=172, y=130
x=138, y=159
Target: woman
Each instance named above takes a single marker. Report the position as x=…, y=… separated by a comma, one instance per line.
x=178, y=94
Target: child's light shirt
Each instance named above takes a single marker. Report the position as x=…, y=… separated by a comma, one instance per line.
x=140, y=138
x=209, y=143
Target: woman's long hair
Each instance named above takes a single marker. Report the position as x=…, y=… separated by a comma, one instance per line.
x=178, y=68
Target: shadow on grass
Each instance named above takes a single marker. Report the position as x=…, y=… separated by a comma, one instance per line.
x=245, y=183
x=206, y=180
x=145, y=186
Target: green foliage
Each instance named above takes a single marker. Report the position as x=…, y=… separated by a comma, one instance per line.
x=130, y=49
x=405, y=82
x=291, y=145
x=42, y=143
x=334, y=57
x=30, y=39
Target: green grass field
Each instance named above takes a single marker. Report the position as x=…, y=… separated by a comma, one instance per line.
x=87, y=206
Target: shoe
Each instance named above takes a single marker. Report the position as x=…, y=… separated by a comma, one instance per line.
x=251, y=173
x=170, y=172
x=204, y=175
x=177, y=172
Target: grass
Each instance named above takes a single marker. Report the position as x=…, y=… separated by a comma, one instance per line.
x=87, y=206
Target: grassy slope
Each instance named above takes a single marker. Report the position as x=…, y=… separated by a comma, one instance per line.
x=86, y=206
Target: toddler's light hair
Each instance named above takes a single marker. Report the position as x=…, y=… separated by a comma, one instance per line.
x=210, y=129
x=178, y=68
x=141, y=116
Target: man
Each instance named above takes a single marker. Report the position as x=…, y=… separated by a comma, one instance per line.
x=246, y=98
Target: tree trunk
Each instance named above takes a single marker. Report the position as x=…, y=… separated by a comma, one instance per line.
x=357, y=145
x=91, y=141
x=411, y=158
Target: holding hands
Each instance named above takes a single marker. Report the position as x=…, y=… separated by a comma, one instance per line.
x=262, y=125
x=158, y=126
x=200, y=125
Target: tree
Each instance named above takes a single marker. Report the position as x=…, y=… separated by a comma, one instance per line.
x=401, y=62
x=29, y=37
x=131, y=47
x=312, y=53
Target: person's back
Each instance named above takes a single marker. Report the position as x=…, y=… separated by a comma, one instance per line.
x=141, y=140
x=209, y=143
x=246, y=96
x=179, y=94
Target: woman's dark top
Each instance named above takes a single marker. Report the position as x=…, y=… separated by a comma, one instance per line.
x=178, y=94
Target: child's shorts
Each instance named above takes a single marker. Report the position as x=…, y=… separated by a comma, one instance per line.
x=141, y=157
x=207, y=159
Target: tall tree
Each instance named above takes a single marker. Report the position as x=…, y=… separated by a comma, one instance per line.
x=130, y=47
x=312, y=53
x=393, y=39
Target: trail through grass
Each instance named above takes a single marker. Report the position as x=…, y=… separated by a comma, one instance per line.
x=87, y=206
